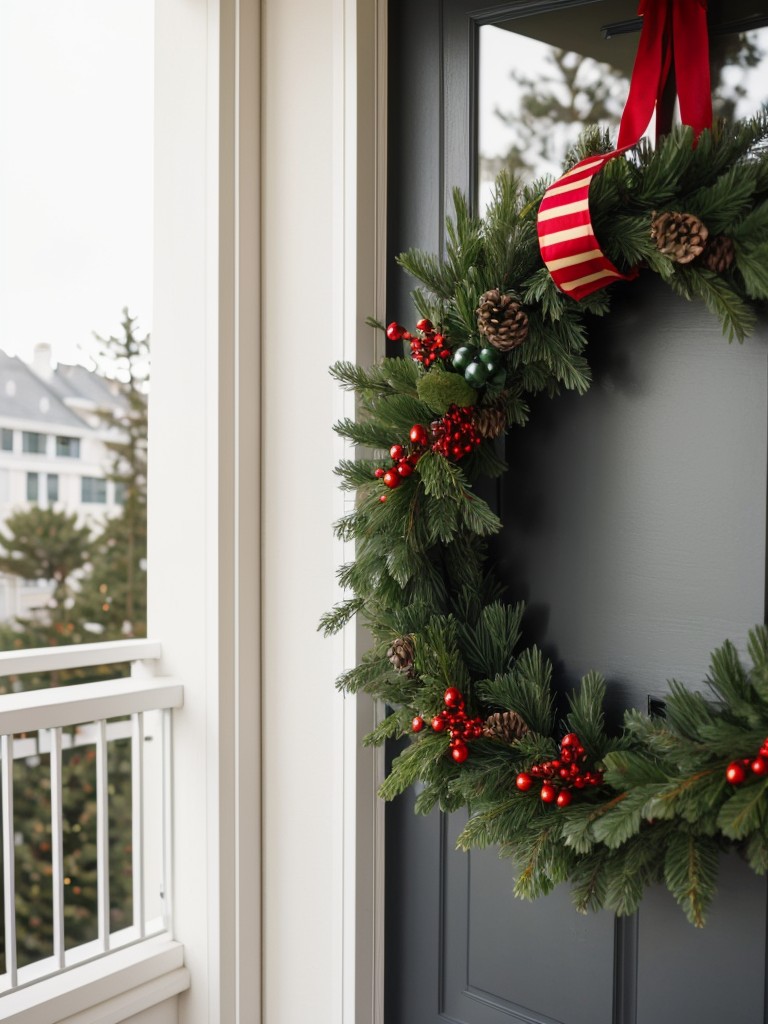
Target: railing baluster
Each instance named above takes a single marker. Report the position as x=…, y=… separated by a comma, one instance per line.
x=102, y=835
x=57, y=847
x=167, y=822
x=137, y=810
x=9, y=859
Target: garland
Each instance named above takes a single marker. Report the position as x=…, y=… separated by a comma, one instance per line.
x=559, y=795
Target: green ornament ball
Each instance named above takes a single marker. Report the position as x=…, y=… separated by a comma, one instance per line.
x=476, y=374
x=489, y=357
x=463, y=356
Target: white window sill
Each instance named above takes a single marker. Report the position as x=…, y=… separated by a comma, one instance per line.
x=106, y=990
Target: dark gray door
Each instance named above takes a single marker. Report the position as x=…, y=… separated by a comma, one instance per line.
x=635, y=525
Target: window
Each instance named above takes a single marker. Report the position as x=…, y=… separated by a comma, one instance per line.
x=543, y=75
x=6, y=440
x=93, y=490
x=68, y=447
x=33, y=486
x=53, y=488
x=33, y=443
x=119, y=493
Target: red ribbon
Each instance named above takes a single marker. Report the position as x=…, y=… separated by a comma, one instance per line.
x=670, y=27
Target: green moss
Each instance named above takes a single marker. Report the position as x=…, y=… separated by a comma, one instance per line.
x=439, y=390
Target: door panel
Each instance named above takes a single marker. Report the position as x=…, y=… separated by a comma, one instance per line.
x=635, y=515
x=503, y=957
x=635, y=529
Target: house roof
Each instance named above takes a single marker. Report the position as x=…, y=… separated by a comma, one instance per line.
x=76, y=382
x=24, y=395
x=53, y=398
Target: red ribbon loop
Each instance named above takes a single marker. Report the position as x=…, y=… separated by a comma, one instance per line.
x=670, y=28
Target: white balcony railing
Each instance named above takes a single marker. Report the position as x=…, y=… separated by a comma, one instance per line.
x=45, y=724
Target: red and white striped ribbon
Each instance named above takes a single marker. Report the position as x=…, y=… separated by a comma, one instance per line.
x=567, y=240
x=568, y=244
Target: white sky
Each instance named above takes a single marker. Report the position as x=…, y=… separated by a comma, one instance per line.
x=76, y=85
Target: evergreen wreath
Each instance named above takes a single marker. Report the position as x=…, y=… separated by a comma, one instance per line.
x=559, y=795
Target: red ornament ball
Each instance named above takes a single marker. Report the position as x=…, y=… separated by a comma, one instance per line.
x=396, y=452
x=379, y=473
x=759, y=766
x=418, y=434
x=438, y=724
x=459, y=751
x=563, y=798
x=735, y=773
x=523, y=782
x=424, y=326
x=570, y=740
x=452, y=697
x=391, y=479
x=417, y=723
x=395, y=332
x=404, y=468
x=383, y=498
x=548, y=793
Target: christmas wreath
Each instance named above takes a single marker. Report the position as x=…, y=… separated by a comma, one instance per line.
x=565, y=799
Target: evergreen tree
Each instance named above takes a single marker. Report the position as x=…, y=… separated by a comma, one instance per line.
x=114, y=595
x=44, y=544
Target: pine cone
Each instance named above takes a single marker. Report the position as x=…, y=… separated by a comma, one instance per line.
x=502, y=320
x=401, y=654
x=681, y=236
x=505, y=725
x=719, y=253
x=491, y=421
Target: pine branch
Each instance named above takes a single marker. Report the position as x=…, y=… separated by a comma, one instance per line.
x=690, y=872
x=489, y=648
x=744, y=812
x=736, y=317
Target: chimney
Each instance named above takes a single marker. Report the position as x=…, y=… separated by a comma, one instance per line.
x=42, y=362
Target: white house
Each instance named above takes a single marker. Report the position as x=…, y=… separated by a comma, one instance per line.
x=52, y=450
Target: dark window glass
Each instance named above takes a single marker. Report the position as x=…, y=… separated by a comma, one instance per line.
x=33, y=443
x=68, y=447
x=93, y=490
x=6, y=439
x=119, y=493
x=53, y=488
x=33, y=486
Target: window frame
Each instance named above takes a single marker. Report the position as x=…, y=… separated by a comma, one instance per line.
x=90, y=486
x=71, y=442
x=33, y=487
x=52, y=478
x=26, y=442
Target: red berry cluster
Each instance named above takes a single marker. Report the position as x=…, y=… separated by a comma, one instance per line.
x=456, y=722
x=455, y=435
x=736, y=772
x=426, y=349
x=560, y=776
x=403, y=462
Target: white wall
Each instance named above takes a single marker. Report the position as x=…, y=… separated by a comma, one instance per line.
x=299, y=780
x=321, y=235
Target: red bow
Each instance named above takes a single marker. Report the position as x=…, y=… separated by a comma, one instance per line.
x=670, y=27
